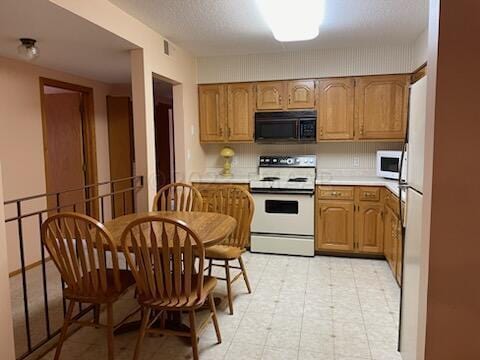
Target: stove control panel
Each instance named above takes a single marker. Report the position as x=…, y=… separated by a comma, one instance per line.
x=301, y=161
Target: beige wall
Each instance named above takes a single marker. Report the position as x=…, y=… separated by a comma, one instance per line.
x=21, y=143
x=180, y=68
x=6, y=325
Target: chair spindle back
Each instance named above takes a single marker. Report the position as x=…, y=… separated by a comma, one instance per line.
x=178, y=197
x=78, y=245
x=162, y=256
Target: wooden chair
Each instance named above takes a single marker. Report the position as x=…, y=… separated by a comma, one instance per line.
x=78, y=245
x=238, y=203
x=178, y=197
x=162, y=254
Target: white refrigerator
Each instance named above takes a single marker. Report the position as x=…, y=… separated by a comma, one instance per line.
x=411, y=334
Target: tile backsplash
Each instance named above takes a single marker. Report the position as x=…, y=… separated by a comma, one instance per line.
x=343, y=158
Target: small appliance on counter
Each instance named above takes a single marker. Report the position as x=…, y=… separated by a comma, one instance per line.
x=283, y=222
x=286, y=126
x=390, y=164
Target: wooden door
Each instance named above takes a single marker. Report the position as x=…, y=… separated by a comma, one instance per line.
x=336, y=109
x=240, y=100
x=64, y=149
x=334, y=226
x=270, y=95
x=120, y=141
x=381, y=105
x=369, y=229
x=301, y=94
x=211, y=100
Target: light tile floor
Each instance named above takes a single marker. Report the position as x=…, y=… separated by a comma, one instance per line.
x=322, y=308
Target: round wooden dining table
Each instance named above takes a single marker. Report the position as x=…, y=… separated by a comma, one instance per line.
x=211, y=228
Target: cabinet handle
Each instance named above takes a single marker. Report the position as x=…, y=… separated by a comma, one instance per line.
x=221, y=131
x=290, y=99
x=321, y=130
x=361, y=129
x=229, y=132
x=280, y=99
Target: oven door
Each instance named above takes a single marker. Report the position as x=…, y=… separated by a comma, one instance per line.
x=271, y=130
x=289, y=214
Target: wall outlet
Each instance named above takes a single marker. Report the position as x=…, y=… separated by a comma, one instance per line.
x=356, y=161
x=189, y=154
x=193, y=130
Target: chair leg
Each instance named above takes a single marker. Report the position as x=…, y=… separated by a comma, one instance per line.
x=193, y=334
x=66, y=324
x=110, y=331
x=211, y=302
x=143, y=329
x=245, y=276
x=96, y=314
x=210, y=267
x=229, y=287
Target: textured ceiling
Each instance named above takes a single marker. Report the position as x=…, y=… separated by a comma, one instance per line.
x=66, y=42
x=221, y=27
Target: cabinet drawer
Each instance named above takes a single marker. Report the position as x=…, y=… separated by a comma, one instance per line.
x=368, y=193
x=336, y=192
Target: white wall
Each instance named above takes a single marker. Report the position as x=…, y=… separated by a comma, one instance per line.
x=337, y=158
x=306, y=64
x=420, y=50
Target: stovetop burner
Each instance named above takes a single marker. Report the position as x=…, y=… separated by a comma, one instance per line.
x=270, y=178
x=298, y=179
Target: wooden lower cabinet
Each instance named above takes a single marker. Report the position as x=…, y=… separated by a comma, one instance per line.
x=369, y=227
x=334, y=225
x=393, y=242
x=349, y=225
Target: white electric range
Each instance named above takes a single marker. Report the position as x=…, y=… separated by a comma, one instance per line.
x=283, y=222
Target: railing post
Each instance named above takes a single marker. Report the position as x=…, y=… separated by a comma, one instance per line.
x=6, y=322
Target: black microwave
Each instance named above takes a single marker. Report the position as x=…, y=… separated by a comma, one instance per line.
x=286, y=126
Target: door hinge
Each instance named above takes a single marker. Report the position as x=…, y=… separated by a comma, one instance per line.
x=84, y=167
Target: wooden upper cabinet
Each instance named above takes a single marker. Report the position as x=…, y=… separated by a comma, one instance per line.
x=335, y=226
x=270, y=95
x=212, y=112
x=336, y=109
x=381, y=104
x=370, y=228
x=240, y=100
x=301, y=94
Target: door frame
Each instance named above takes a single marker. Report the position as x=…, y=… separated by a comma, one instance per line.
x=88, y=131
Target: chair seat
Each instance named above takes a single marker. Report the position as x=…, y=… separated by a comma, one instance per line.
x=223, y=252
x=126, y=280
x=183, y=302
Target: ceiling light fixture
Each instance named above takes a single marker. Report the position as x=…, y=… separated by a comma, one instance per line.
x=27, y=49
x=293, y=20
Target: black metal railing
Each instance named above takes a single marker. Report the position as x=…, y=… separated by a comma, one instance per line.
x=122, y=196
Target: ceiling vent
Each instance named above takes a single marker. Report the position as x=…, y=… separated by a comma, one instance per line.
x=166, y=47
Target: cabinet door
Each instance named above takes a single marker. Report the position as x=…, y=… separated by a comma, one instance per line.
x=388, y=249
x=369, y=228
x=399, y=258
x=270, y=95
x=381, y=104
x=240, y=102
x=301, y=94
x=336, y=109
x=334, y=226
x=211, y=100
